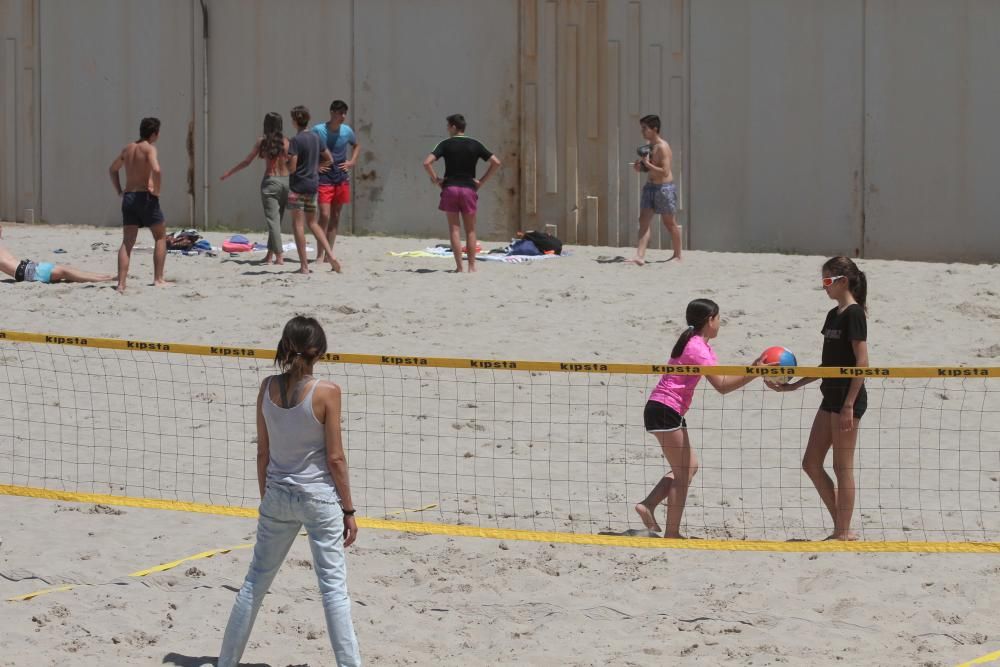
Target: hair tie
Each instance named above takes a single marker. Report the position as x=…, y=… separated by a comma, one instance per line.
x=690, y=327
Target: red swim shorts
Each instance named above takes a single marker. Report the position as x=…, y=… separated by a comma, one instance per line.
x=335, y=194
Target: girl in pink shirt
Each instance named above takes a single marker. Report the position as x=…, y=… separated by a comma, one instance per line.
x=665, y=409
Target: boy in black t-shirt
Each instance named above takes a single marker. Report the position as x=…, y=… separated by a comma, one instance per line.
x=459, y=186
x=845, y=335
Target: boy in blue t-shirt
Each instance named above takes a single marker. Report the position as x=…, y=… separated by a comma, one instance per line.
x=335, y=182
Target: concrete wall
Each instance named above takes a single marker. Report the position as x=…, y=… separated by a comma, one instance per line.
x=19, y=175
x=104, y=65
x=825, y=126
x=414, y=64
x=266, y=57
x=777, y=125
x=932, y=136
x=589, y=70
x=846, y=126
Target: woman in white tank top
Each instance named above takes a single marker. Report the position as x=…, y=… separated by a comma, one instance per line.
x=303, y=477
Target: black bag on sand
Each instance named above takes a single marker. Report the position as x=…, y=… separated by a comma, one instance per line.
x=544, y=242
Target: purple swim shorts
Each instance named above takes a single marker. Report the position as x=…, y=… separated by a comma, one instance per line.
x=458, y=199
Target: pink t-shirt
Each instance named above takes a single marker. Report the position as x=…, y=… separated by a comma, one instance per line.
x=676, y=391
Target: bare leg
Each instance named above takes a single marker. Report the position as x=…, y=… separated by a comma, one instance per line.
x=129, y=235
x=647, y=508
x=299, y=232
x=469, y=219
x=844, y=443
x=329, y=222
x=670, y=222
x=159, y=253
x=455, y=234
x=323, y=247
x=324, y=224
x=68, y=274
x=684, y=464
x=645, y=220
x=820, y=440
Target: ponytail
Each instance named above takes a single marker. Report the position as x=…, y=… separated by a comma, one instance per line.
x=682, y=342
x=303, y=341
x=857, y=281
x=860, y=290
x=698, y=313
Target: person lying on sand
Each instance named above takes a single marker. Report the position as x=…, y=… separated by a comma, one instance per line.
x=26, y=270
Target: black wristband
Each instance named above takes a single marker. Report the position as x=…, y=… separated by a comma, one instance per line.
x=349, y=512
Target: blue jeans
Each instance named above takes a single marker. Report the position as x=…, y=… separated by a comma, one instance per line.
x=283, y=512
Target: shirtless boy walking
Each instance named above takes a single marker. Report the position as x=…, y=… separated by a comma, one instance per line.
x=141, y=200
x=659, y=195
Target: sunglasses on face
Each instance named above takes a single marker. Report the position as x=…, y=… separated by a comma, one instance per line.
x=831, y=280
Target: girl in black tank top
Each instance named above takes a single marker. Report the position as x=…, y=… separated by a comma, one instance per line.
x=835, y=426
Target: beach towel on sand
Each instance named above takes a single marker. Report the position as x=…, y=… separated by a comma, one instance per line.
x=446, y=253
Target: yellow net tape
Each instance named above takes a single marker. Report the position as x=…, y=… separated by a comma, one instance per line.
x=828, y=546
x=501, y=364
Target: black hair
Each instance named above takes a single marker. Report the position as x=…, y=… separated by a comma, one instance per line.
x=303, y=341
x=338, y=105
x=301, y=116
x=651, y=121
x=148, y=127
x=698, y=313
x=274, y=141
x=457, y=121
x=857, y=281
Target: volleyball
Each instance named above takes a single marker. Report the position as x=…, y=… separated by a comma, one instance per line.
x=778, y=356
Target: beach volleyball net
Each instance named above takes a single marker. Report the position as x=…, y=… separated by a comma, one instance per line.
x=534, y=446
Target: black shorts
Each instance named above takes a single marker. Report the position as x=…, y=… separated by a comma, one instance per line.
x=661, y=418
x=834, y=396
x=141, y=209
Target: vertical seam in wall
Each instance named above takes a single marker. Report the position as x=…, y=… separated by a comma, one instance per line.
x=193, y=185
x=688, y=175
x=354, y=97
x=862, y=180
x=37, y=103
x=519, y=203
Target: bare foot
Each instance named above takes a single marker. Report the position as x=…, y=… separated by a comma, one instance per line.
x=304, y=271
x=648, y=519
x=676, y=536
x=846, y=536
x=120, y=289
x=279, y=260
x=267, y=258
x=335, y=265
x=675, y=258
x=472, y=268
x=162, y=283
x=637, y=261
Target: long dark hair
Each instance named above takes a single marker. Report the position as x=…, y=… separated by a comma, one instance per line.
x=273, y=143
x=857, y=282
x=698, y=313
x=302, y=343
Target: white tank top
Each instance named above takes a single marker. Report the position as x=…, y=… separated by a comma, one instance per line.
x=297, y=444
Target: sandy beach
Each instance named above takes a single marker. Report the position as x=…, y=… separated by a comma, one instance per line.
x=425, y=599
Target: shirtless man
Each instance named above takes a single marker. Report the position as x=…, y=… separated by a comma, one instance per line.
x=141, y=200
x=659, y=196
